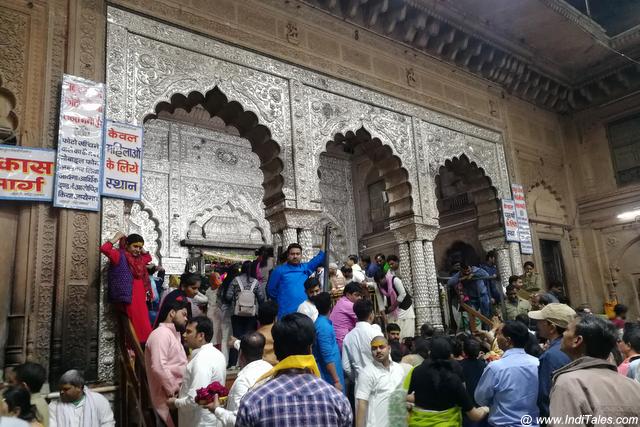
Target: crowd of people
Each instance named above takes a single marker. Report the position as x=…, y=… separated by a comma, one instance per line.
x=346, y=352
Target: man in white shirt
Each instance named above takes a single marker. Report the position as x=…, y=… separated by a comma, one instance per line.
x=253, y=367
x=207, y=365
x=79, y=406
x=311, y=288
x=356, y=347
x=358, y=274
x=374, y=386
x=406, y=319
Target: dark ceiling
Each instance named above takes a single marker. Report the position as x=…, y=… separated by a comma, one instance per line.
x=548, y=52
x=615, y=16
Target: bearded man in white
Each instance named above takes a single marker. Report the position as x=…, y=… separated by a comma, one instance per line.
x=207, y=365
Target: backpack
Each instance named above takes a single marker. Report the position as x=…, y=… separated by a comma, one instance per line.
x=246, y=305
x=407, y=301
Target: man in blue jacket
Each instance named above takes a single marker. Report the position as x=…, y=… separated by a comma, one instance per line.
x=553, y=320
x=286, y=282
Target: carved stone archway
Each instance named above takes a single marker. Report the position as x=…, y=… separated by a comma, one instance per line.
x=468, y=186
x=469, y=215
x=345, y=194
x=206, y=117
x=246, y=123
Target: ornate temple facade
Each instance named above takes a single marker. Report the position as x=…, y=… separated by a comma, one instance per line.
x=395, y=123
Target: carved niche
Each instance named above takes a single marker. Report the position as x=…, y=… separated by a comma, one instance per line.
x=226, y=224
x=198, y=184
x=337, y=202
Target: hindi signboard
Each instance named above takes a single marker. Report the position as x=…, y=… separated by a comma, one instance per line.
x=26, y=173
x=524, y=230
x=79, y=144
x=510, y=220
x=122, y=167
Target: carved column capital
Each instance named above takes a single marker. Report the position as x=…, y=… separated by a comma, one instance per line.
x=494, y=243
x=407, y=231
x=293, y=218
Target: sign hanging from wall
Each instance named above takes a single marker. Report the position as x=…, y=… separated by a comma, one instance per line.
x=524, y=230
x=510, y=220
x=122, y=164
x=26, y=173
x=79, y=144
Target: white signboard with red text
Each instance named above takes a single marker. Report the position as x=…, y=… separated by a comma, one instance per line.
x=26, y=173
x=78, y=163
x=510, y=220
x=524, y=230
x=122, y=167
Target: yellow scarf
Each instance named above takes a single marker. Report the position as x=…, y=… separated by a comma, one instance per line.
x=306, y=361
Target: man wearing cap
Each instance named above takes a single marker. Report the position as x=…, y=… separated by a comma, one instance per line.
x=552, y=321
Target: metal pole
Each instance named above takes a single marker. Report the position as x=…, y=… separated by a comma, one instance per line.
x=325, y=271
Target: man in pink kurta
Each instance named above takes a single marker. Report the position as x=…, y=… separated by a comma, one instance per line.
x=342, y=316
x=165, y=359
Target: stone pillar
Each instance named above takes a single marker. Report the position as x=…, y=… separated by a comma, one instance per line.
x=503, y=254
x=405, y=266
x=425, y=288
x=305, y=238
x=113, y=219
x=504, y=264
x=516, y=258
x=289, y=236
x=430, y=294
x=75, y=312
x=276, y=240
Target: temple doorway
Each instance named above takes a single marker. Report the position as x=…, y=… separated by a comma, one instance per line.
x=468, y=209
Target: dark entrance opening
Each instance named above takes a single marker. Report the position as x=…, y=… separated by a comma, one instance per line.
x=552, y=264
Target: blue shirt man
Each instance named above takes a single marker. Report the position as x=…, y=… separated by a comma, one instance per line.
x=552, y=321
x=473, y=285
x=326, y=350
x=286, y=282
x=509, y=386
x=551, y=360
x=493, y=285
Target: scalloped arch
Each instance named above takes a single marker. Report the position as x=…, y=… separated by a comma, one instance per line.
x=543, y=187
x=157, y=229
x=485, y=197
x=201, y=219
x=550, y=188
x=248, y=125
x=388, y=164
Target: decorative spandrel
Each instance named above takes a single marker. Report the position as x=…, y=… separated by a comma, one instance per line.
x=444, y=144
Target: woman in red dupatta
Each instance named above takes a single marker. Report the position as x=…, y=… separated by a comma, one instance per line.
x=135, y=273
